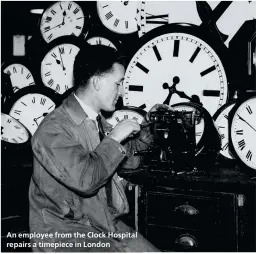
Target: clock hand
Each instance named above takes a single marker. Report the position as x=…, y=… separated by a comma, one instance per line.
x=53, y=27
x=246, y=122
x=43, y=115
x=126, y=2
x=158, y=16
x=172, y=89
x=64, y=14
x=63, y=67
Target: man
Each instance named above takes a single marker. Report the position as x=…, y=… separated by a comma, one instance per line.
x=75, y=194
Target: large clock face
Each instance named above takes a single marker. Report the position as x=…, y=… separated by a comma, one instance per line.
x=57, y=67
x=172, y=63
x=13, y=131
x=118, y=16
x=20, y=76
x=31, y=109
x=243, y=132
x=60, y=19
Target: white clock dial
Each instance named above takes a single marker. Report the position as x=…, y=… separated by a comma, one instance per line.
x=57, y=67
x=221, y=123
x=175, y=61
x=98, y=40
x=243, y=132
x=13, y=131
x=199, y=123
x=20, y=76
x=61, y=19
x=157, y=13
x=31, y=109
x=124, y=114
x=118, y=16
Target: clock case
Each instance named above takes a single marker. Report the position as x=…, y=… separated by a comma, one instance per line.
x=241, y=99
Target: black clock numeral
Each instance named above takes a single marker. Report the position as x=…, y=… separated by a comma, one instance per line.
x=5, y=139
x=135, y=118
x=193, y=57
x=57, y=89
x=14, y=140
x=207, y=71
x=24, y=103
x=31, y=84
x=66, y=87
x=53, y=55
x=21, y=138
x=78, y=27
x=50, y=107
x=117, y=119
x=17, y=127
x=14, y=70
x=33, y=100
x=49, y=37
x=17, y=111
x=61, y=49
x=225, y=146
x=76, y=10
x=9, y=121
x=22, y=70
x=241, y=144
x=109, y=15
x=70, y=51
x=69, y=6
x=48, y=19
x=249, y=155
x=42, y=101
x=239, y=132
x=150, y=19
x=125, y=116
x=53, y=12
x=47, y=74
x=50, y=82
x=212, y=93
x=221, y=127
x=135, y=88
x=199, y=133
x=79, y=18
x=105, y=6
x=47, y=28
x=176, y=48
x=222, y=136
x=249, y=110
x=142, y=67
x=28, y=76
x=226, y=116
x=116, y=22
x=157, y=53
x=126, y=24
x=60, y=6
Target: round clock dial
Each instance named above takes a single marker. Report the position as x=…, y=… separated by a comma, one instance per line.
x=20, y=76
x=243, y=132
x=60, y=19
x=30, y=109
x=98, y=40
x=175, y=67
x=118, y=16
x=13, y=131
x=221, y=122
x=57, y=67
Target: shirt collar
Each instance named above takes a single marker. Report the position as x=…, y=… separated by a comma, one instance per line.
x=88, y=110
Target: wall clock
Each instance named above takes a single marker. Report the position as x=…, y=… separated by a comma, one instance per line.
x=12, y=131
x=242, y=131
x=57, y=64
x=153, y=14
x=221, y=121
x=30, y=105
x=61, y=19
x=118, y=16
x=20, y=73
x=175, y=64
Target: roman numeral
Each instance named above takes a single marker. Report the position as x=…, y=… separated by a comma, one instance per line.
x=49, y=37
x=213, y=93
x=249, y=155
x=69, y=6
x=176, y=48
x=125, y=116
x=150, y=19
x=104, y=6
x=50, y=107
x=225, y=146
x=135, y=118
x=33, y=100
x=48, y=19
x=249, y=110
x=24, y=103
x=135, y=88
x=9, y=121
x=57, y=89
x=17, y=111
x=117, y=119
x=241, y=144
x=126, y=24
x=109, y=15
x=199, y=133
x=53, y=12
x=66, y=87
x=14, y=70
x=207, y=71
x=142, y=67
x=226, y=116
x=222, y=136
x=78, y=27
x=22, y=70
x=193, y=57
x=239, y=132
x=157, y=53
x=116, y=22
x=76, y=10
x=61, y=49
x=53, y=55
x=47, y=74
x=14, y=140
x=28, y=76
x=43, y=100
x=70, y=51
x=50, y=82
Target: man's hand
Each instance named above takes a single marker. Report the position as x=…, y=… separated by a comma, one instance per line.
x=124, y=129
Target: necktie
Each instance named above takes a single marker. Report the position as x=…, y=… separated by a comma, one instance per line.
x=101, y=132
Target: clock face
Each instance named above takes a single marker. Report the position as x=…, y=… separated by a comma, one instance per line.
x=57, y=67
x=243, y=132
x=98, y=40
x=153, y=14
x=175, y=67
x=31, y=109
x=60, y=19
x=20, y=76
x=118, y=16
x=12, y=131
x=221, y=123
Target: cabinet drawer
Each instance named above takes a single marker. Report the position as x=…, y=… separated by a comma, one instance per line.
x=187, y=211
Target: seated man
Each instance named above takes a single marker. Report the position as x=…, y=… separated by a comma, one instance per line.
x=75, y=195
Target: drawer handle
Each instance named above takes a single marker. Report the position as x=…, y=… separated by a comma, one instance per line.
x=187, y=209
x=187, y=241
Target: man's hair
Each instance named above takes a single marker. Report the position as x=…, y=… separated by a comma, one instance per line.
x=94, y=60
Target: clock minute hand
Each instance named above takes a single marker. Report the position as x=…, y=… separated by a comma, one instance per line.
x=246, y=122
x=63, y=67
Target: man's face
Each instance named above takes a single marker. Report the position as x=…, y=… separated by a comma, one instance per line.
x=111, y=87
